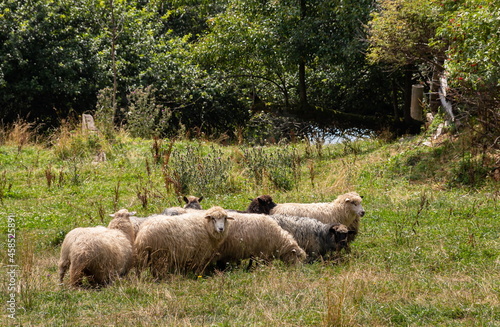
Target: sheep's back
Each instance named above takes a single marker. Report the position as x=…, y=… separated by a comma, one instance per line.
x=257, y=235
x=311, y=234
x=175, y=243
x=102, y=251
x=325, y=212
x=75, y=234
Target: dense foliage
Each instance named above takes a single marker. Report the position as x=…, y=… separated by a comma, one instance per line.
x=457, y=40
x=218, y=68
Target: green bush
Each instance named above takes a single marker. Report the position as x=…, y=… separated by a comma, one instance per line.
x=281, y=166
x=192, y=171
x=469, y=171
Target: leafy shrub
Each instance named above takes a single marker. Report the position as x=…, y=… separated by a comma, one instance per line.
x=145, y=118
x=73, y=144
x=469, y=171
x=191, y=171
x=104, y=113
x=281, y=165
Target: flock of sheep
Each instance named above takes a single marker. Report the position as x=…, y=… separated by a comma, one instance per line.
x=189, y=239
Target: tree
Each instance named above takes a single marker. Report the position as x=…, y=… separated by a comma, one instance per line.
x=285, y=54
x=48, y=66
x=402, y=34
x=456, y=39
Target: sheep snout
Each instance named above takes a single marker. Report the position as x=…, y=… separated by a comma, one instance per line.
x=219, y=225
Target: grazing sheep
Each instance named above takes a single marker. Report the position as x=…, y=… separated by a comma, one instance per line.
x=315, y=237
x=346, y=209
x=192, y=202
x=99, y=253
x=181, y=244
x=258, y=236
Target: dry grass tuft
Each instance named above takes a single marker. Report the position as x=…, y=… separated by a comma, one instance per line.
x=20, y=134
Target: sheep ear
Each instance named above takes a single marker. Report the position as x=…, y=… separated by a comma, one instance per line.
x=229, y=218
x=112, y=215
x=185, y=199
x=200, y=199
x=262, y=202
x=347, y=200
x=208, y=217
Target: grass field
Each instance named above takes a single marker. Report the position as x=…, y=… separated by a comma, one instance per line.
x=428, y=253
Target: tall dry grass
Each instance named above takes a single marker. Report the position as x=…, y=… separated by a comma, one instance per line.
x=20, y=133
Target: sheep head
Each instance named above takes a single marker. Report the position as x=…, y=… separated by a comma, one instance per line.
x=261, y=204
x=340, y=233
x=219, y=219
x=294, y=255
x=353, y=202
x=121, y=221
x=192, y=202
x=122, y=213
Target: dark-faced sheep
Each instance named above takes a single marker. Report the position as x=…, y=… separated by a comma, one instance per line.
x=261, y=204
x=315, y=237
x=258, y=236
x=181, y=244
x=101, y=254
x=346, y=209
x=192, y=202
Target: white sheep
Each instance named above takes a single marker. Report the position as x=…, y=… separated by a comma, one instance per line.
x=346, y=209
x=315, y=237
x=183, y=243
x=258, y=236
x=98, y=253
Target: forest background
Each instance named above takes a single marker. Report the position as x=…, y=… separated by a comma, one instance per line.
x=248, y=70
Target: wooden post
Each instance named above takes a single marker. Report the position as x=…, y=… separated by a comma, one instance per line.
x=417, y=106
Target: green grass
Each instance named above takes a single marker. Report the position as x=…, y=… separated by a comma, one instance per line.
x=428, y=253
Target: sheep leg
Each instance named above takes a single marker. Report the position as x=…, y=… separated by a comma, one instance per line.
x=221, y=265
x=63, y=267
x=250, y=262
x=75, y=275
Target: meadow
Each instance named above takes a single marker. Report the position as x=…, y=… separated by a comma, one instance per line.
x=428, y=253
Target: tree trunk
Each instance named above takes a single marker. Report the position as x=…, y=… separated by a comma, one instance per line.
x=395, y=99
x=113, y=60
x=434, y=101
x=302, y=84
x=302, y=65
